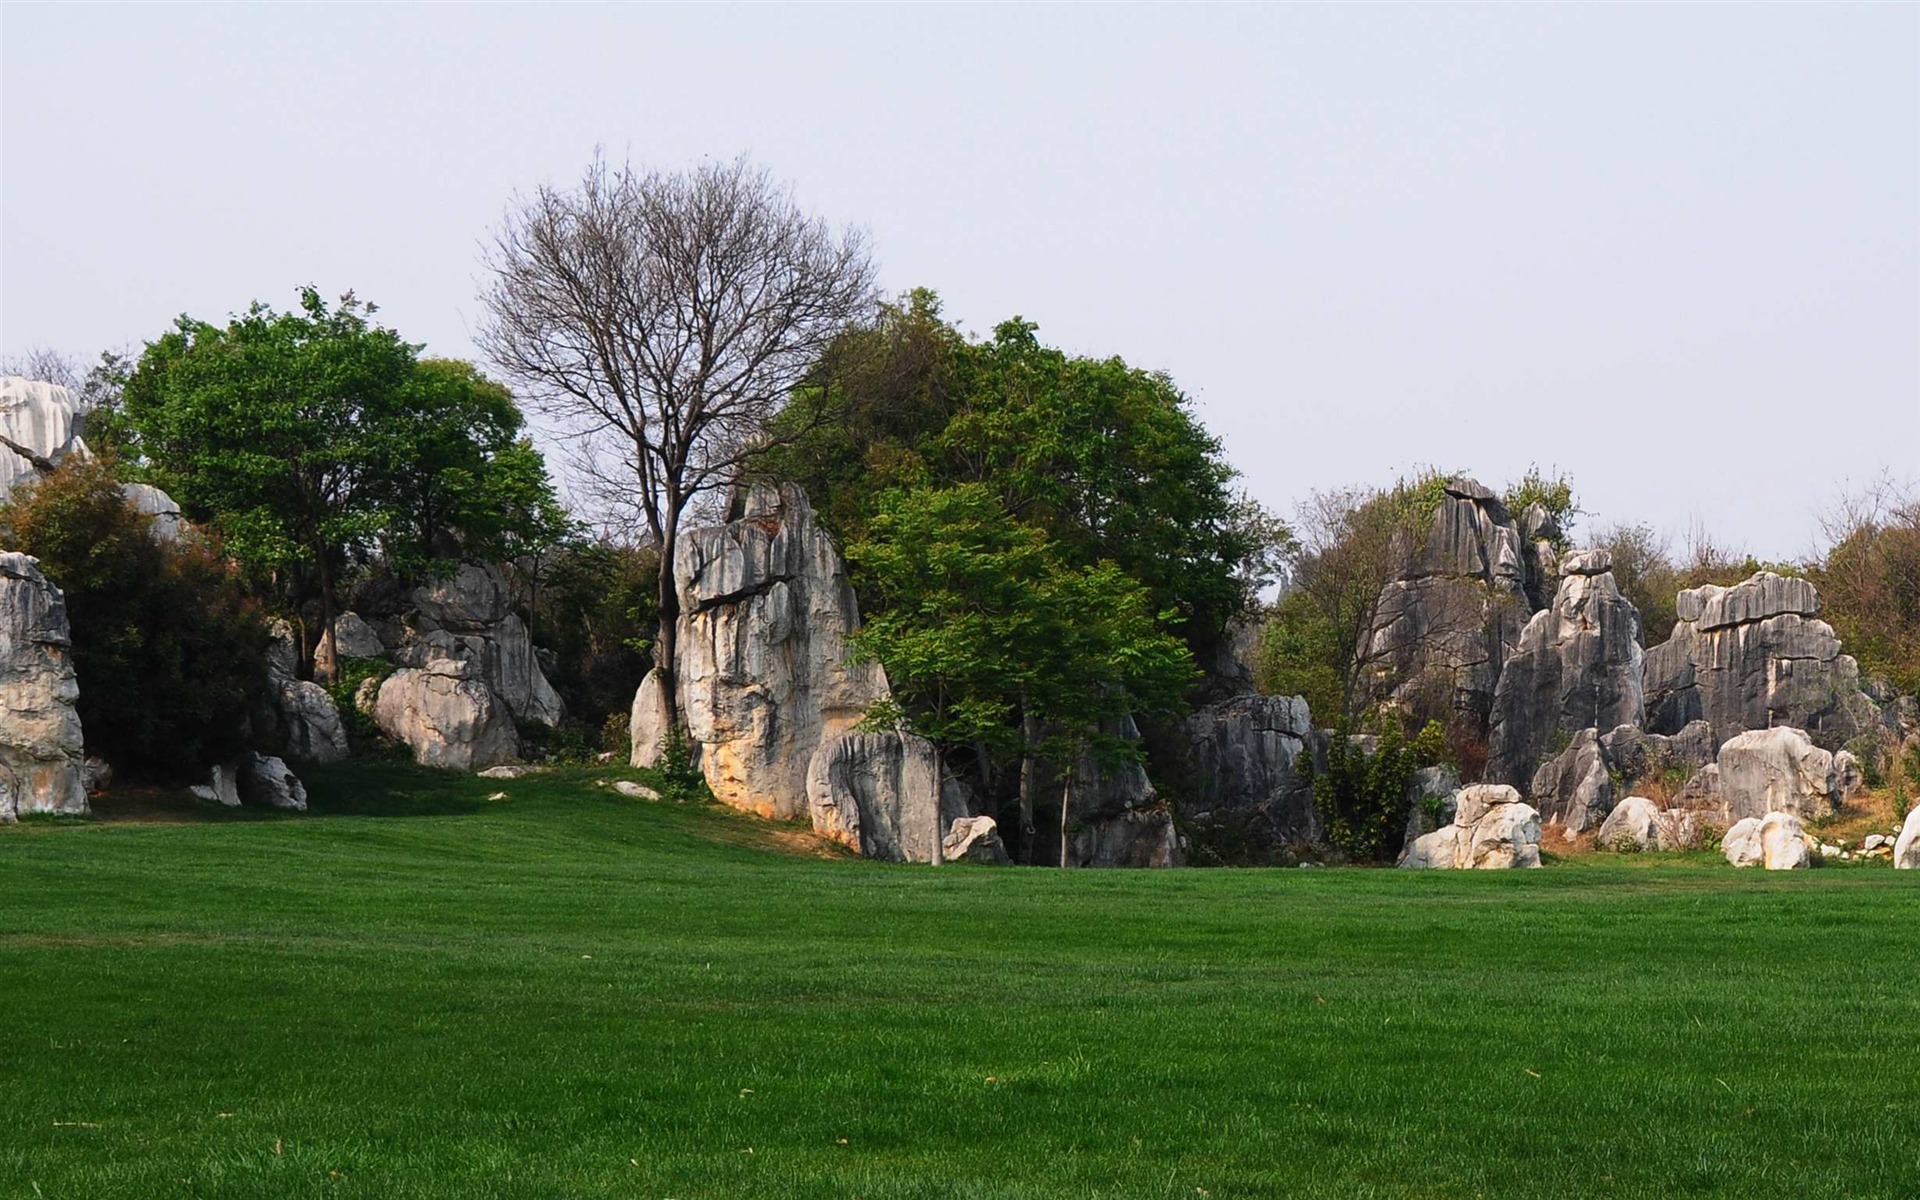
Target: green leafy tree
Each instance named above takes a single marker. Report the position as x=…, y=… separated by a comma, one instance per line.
x=313, y=439
x=992, y=640
x=1363, y=798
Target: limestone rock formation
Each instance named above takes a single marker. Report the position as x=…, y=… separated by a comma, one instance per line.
x=445, y=712
x=764, y=675
x=307, y=719
x=1753, y=656
x=1906, y=848
x=158, y=507
x=39, y=426
x=1492, y=829
x=223, y=788
x=877, y=794
x=1575, y=788
x=1637, y=823
x=1775, y=770
x=473, y=608
x=1114, y=816
x=1775, y=840
x=1577, y=666
x=1460, y=604
x=42, y=761
x=647, y=724
x=974, y=839
x=1241, y=760
x=267, y=782
x=351, y=637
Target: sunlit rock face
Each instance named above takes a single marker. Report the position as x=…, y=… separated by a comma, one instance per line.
x=765, y=676
x=41, y=418
x=42, y=764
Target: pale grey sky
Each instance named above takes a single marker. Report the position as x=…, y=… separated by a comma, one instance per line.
x=1674, y=251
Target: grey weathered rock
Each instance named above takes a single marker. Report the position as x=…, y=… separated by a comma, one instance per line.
x=1634, y=824
x=636, y=791
x=1906, y=848
x=508, y=771
x=877, y=793
x=1774, y=840
x=1539, y=534
x=354, y=639
x=309, y=722
x=96, y=775
x=1753, y=656
x=1114, y=816
x=1775, y=770
x=974, y=839
x=473, y=608
x=447, y=716
x=764, y=674
x=1432, y=799
x=42, y=760
x=267, y=782
x=1577, y=666
x=223, y=788
x=1458, y=608
x=1638, y=755
x=1242, y=755
x=1492, y=829
x=159, y=509
x=1575, y=788
x=1849, y=777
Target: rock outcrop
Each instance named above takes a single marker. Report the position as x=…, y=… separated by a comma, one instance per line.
x=1575, y=788
x=1460, y=604
x=267, y=782
x=1775, y=840
x=1241, y=759
x=1491, y=829
x=974, y=839
x=877, y=794
x=1775, y=770
x=1637, y=823
x=472, y=610
x=1577, y=667
x=444, y=711
x=306, y=717
x=764, y=675
x=42, y=760
x=39, y=426
x=1753, y=656
x=1906, y=848
x=159, y=508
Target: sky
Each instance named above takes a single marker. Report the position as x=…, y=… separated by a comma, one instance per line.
x=1672, y=251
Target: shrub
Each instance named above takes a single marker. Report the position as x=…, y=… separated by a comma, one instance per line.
x=1363, y=799
x=169, y=650
x=362, y=733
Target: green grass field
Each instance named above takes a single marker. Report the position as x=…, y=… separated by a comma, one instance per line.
x=416, y=992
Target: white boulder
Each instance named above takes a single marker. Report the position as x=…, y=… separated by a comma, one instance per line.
x=446, y=716
x=1776, y=841
x=1906, y=848
x=1775, y=770
x=267, y=782
x=879, y=794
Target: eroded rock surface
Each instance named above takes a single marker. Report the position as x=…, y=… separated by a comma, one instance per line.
x=1753, y=656
x=764, y=674
x=308, y=720
x=42, y=421
x=1492, y=829
x=1906, y=848
x=1242, y=758
x=1776, y=841
x=446, y=714
x=42, y=760
x=1775, y=770
x=877, y=793
x=1460, y=604
x=1577, y=667
x=473, y=609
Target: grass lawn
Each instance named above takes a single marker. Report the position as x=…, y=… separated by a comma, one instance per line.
x=414, y=991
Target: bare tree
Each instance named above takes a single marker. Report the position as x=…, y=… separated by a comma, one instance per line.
x=664, y=318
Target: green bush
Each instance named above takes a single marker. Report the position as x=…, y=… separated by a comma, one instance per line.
x=1362, y=799
x=362, y=733
x=169, y=651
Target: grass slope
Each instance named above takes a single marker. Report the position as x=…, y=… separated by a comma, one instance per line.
x=415, y=992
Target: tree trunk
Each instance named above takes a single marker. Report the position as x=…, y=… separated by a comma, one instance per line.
x=939, y=789
x=326, y=638
x=1028, y=729
x=667, y=647
x=1066, y=801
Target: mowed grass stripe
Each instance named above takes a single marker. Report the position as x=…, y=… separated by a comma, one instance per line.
x=418, y=992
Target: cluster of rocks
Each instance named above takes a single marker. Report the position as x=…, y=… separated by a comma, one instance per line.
x=773, y=700
x=1486, y=827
